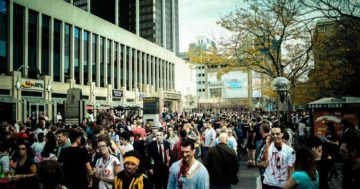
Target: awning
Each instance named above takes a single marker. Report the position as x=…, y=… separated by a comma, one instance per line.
x=38, y=100
x=58, y=100
x=8, y=99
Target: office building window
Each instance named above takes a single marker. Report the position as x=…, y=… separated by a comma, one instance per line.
x=45, y=39
x=19, y=39
x=3, y=36
x=77, y=54
x=115, y=65
x=108, y=62
x=102, y=71
x=57, y=25
x=67, y=52
x=86, y=57
x=33, y=71
x=94, y=55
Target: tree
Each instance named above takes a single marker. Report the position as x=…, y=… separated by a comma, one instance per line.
x=335, y=10
x=271, y=37
x=337, y=59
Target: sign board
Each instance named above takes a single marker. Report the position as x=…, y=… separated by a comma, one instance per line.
x=117, y=93
x=32, y=84
x=330, y=105
x=172, y=96
x=72, y=111
x=321, y=117
x=151, y=105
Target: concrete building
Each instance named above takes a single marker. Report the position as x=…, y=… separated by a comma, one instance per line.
x=154, y=20
x=237, y=89
x=49, y=46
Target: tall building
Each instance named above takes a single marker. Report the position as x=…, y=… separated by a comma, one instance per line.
x=50, y=46
x=154, y=20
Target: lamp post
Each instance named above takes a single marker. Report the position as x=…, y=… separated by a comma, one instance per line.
x=49, y=88
x=26, y=67
x=281, y=85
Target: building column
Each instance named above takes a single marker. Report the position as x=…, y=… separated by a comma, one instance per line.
x=51, y=47
x=167, y=76
x=141, y=63
x=112, y=76
x=145, y=69
x=137, y=17
x=38, y=42
x=173, y=26
x=10, y=36
x=118, y=63
x=153, y=71
x=98, y=60
x=172, y=74
x=16, y=77
x=117, y=12
x=163, y=21
x=26, y=42
x=131, y=69
x=90, y=60
x=106, y=61
x=124, y=67
x=157, y=62
x=149, y=70
x=62, y=51
x=136, y=85
x=161, y=74
x=81, y=56
x=72, y=44
x=88, y=4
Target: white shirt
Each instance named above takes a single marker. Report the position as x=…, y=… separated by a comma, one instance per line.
x=38, y=147
x=208, y=135
x=106, y=170
x=301, y=129
x=276, y=173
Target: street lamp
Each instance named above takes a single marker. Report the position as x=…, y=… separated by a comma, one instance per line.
x=49, y=88
x=18, y=85
x=26, y=67
x=281, y=85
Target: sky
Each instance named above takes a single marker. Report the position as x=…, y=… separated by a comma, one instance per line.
x=199, y=17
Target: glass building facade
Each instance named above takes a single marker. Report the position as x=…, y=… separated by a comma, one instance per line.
x=55, y=50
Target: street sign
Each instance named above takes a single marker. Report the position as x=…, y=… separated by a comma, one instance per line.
x=151, y=105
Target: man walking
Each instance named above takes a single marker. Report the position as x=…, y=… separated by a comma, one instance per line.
x=222, y=164
x=281, y=159
x=159, y=155
x=188, y=172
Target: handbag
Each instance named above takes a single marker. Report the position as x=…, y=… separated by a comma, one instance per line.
x=234, y=178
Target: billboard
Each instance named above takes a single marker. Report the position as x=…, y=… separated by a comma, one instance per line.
x=151, y=105
x=235, y=84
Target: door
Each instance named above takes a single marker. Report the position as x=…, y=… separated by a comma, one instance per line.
x=35, y=110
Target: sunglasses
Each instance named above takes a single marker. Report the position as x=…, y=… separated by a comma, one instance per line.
x=102, y=146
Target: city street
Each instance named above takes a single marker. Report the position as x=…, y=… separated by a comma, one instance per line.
x=247, y=176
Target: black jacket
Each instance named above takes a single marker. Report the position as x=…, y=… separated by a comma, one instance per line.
x=222, y=170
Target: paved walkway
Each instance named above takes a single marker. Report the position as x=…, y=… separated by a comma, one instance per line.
x=247, y=176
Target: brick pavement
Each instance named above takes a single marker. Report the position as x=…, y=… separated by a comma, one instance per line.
x=247, y=176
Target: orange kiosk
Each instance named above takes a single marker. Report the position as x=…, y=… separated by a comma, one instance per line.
x=333, y=109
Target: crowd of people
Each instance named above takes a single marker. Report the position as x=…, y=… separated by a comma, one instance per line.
x=199, y=150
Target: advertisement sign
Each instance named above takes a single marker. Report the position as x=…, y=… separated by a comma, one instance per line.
x=32, y=84
x=151, y=105
x=236, y=84
x=322, y=116
x=117, y=93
